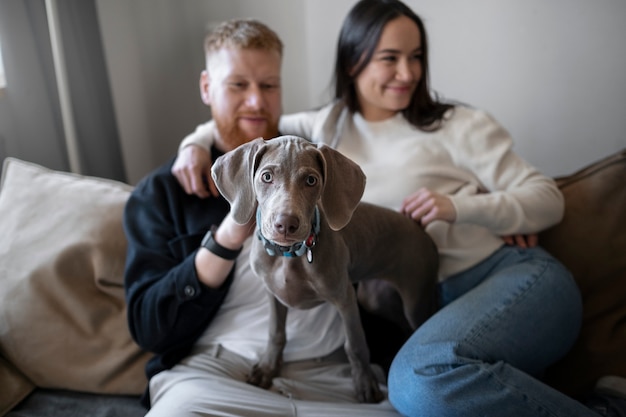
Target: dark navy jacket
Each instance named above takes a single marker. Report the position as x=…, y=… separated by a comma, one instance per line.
x=168, y=307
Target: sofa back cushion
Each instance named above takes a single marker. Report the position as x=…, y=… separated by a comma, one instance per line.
x=591, y=242
x=62, y=308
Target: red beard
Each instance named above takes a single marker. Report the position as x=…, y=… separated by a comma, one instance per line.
x=232, y=135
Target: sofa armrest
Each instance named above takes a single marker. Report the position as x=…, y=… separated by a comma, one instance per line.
x=591, y=242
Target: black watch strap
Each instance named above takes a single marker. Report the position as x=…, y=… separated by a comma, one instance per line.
x=209, y=243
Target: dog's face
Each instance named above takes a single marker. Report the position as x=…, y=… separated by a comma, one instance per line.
x=286, y=178
x=288, y=184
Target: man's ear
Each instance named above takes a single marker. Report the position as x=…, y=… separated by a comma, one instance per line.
x=204, y=87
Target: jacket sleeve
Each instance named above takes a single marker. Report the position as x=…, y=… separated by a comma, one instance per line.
x=168, y=307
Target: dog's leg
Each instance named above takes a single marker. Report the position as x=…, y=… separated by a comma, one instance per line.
x=382, y=299
x=268, y=367
x=420, y=302
x=365, y=381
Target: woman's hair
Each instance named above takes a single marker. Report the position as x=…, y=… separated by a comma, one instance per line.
x=357, y=42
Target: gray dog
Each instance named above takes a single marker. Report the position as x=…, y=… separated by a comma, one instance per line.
x=316, y=239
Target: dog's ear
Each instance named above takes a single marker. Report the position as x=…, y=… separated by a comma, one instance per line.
x=233, y=174
x=344, y=183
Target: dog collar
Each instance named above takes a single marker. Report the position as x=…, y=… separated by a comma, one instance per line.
x=295, y=250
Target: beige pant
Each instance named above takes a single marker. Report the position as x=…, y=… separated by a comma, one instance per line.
x=212, y=383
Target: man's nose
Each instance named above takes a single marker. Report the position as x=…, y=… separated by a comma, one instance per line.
x=254, y=98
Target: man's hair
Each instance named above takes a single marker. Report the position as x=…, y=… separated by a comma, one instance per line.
x=242, y=34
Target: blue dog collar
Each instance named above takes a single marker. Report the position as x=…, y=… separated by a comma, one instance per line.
x=295, y=250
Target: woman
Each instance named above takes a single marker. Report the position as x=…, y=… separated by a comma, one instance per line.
x=507, y=312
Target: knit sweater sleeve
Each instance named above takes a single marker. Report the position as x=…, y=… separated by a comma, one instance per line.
x=513, y=196
x=323, y=125
x=298, y=124
x=203, y=136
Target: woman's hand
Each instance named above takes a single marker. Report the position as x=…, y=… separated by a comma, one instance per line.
x=192, y=169
x=523, y=241
x=426, y=206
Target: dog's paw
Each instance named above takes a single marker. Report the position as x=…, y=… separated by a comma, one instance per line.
x=367, y=390
x=261, y=376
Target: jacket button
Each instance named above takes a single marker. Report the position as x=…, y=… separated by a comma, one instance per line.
x=190, y=291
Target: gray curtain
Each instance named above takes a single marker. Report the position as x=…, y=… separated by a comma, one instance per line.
x=30, y=117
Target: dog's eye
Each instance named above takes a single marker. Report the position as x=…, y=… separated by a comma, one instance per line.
x=266, y=177
x=311, y=180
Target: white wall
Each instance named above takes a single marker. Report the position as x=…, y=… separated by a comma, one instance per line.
x=553, y=72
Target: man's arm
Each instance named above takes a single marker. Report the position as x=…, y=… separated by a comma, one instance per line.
x=169, y=302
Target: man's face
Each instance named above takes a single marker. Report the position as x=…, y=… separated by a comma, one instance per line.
x=242, y=87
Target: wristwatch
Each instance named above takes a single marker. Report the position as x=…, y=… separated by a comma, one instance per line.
x=209, y=243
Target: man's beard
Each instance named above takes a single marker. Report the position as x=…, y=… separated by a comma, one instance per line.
x=232, y=135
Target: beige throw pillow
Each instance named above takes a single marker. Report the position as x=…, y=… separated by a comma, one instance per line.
x=62, y=310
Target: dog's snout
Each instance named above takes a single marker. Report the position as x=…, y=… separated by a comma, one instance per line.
x=286, y=224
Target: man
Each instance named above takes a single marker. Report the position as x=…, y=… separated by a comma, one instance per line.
x=192, y=297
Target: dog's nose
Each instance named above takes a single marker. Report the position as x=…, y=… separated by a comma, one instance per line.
x=286, y=224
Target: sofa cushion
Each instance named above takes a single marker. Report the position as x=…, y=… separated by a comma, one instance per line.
x=62, y=403
x=591, y=242
x=15, y=386
x=62, y=310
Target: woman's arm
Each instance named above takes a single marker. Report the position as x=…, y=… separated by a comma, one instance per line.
x=515, y=197
x=502, y=192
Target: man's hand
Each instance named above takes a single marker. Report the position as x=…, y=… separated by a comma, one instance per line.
x=426, y=206
x=192, y=169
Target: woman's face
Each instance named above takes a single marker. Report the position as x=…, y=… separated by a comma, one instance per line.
x=387, y=83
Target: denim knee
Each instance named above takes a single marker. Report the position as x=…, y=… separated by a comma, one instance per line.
x=420, y=378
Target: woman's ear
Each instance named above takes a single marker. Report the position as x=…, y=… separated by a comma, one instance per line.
x=204, y=87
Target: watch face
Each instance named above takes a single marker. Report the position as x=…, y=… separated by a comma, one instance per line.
x=211, y=245
x=205, y=239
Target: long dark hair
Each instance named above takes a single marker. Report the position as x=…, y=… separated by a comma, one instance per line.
x=360, y=33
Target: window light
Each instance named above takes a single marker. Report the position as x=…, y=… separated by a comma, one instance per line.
x=3, y=80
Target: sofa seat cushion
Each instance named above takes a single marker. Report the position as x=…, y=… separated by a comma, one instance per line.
x=61, y=403
x=591, y=242
x=62, y=309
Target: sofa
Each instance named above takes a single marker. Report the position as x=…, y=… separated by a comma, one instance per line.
x=65, y=348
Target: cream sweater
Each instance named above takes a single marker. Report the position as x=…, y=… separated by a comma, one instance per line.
x=470, y=158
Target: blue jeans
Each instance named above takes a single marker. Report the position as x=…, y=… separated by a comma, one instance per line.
x=503, y=322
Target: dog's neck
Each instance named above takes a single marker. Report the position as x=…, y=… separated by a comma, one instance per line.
x=297, y=249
